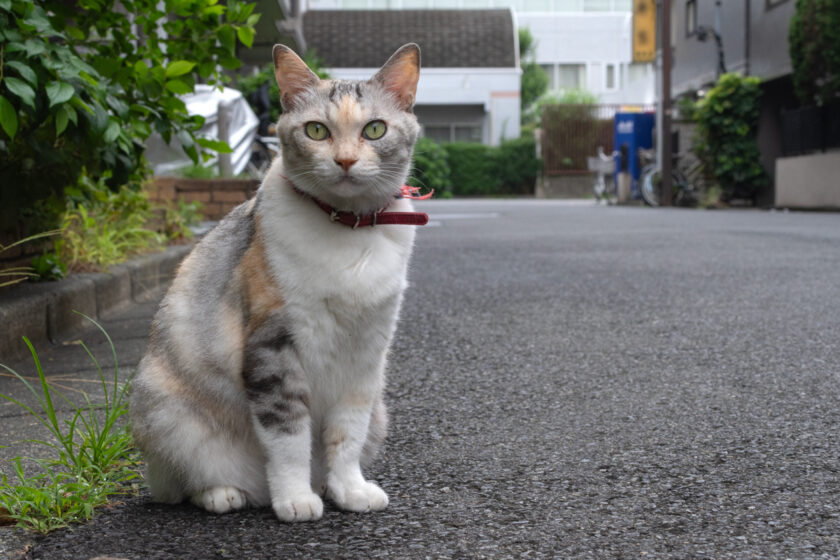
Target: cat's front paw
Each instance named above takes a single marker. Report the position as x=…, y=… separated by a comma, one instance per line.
x=366, y=496
x=220, y=499
x=305, y=507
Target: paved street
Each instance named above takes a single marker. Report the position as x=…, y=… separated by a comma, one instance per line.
x=567, y=381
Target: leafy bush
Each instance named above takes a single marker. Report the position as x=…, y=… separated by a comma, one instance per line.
x=472, y=169
x=478, y=170
x=727, y=122
x=814, y=42
x=101, y=228
x=431, y=168
x=80, y=89
x=534, y=78
x=517, y=165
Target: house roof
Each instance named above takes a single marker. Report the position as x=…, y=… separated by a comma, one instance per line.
x=447, y=38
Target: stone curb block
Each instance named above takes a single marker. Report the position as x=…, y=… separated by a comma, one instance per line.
x=45, y=313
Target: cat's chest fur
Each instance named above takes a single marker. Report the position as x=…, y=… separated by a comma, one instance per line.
x=341, y=287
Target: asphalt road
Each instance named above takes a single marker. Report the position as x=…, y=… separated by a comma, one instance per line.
x=573, y=381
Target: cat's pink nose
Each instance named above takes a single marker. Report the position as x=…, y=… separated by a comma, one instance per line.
x=345, y=164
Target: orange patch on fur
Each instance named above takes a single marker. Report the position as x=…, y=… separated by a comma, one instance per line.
x=333, y=438
x=262, y=296
x=161, y=378
x=348, y=111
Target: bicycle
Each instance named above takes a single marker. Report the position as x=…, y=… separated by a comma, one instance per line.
x=266, y=144
x=602, y=165
x=687, y=180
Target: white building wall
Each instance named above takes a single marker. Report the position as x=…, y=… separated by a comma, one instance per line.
x=594, y=41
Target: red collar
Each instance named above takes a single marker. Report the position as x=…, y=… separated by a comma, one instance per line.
x=381, y=217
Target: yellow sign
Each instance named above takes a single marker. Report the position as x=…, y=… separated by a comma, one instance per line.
x=644, y=30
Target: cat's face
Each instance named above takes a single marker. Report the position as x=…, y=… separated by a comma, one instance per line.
x=348, y=143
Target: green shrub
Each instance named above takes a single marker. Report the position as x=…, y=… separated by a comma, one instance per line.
x=479, y=170
x=101, y=228
x=517, y=165
x=534, y=77
x=472, y=169
x=814, y=39
x=80, y=89
x=431, y=168
x=727, y=121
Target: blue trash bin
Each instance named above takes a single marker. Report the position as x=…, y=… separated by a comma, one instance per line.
x=632, y=131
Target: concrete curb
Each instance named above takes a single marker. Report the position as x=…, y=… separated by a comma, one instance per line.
x=44, y=313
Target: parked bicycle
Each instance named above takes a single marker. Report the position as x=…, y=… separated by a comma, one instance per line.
x=266, y=145
x=602, y=165
x=686, y=176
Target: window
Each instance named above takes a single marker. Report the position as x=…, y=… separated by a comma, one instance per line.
x=453, y=132
x=467, y=133
x=690, y=18
x=437, y=133
x=570, y=76
x=611, y=77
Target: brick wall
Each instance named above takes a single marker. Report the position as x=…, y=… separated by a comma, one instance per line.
x=217, y=196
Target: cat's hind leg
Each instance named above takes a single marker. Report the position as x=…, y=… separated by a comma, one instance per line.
x=195, y=446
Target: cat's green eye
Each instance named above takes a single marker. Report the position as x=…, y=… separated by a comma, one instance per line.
x=374, y=130
x=316, y=130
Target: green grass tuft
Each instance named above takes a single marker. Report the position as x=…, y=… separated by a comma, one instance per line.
x=94, y=456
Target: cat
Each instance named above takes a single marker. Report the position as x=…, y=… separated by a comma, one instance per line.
x=263, y=379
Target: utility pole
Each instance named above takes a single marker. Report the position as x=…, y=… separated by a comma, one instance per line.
x=665, y=149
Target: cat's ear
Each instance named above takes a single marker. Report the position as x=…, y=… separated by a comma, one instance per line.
x=292, y=74
x=400, y=74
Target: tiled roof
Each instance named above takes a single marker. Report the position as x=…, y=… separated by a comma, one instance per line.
x=447, y=38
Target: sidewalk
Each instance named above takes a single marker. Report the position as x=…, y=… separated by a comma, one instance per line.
x=123, y=301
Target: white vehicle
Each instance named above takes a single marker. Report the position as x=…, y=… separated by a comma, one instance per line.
x=228, y=117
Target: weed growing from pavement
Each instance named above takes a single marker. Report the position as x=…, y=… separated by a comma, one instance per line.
x=94, y=456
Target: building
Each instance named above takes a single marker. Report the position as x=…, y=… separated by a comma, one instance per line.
x=472, y=93
x=754, y=40
x=754, y=37
x=470, y=77
x=582, y=44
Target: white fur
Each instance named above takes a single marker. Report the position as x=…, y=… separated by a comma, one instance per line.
x=342, y=289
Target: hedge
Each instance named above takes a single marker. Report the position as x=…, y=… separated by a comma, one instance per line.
x=469, y=169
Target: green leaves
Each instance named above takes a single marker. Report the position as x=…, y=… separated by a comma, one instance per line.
x=64, y=61
x=178, y=68
x=727, y=119
x=59, y=92
x=177, y=86
x=24, y=71
x=246, y=35
x=8, y=117
x=19, y=88
x=215, y=145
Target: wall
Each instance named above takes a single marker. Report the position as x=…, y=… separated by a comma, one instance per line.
x=808, y=181
x=695, y=62
x=217, y=196
x=594, y=40
x=769, y=50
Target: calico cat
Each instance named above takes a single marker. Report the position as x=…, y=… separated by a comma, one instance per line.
x=263, y=380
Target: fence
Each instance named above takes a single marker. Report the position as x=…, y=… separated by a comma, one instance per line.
x=810, y=129
x=571, y=133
